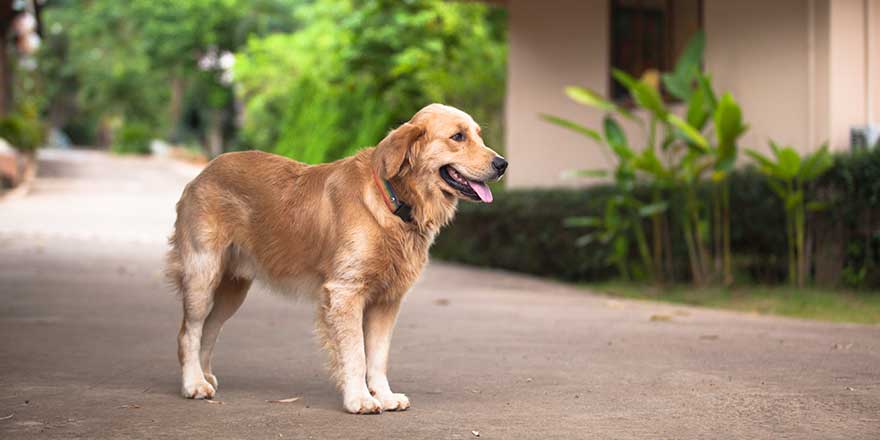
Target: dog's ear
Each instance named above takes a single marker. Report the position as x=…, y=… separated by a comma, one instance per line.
x=391, y=152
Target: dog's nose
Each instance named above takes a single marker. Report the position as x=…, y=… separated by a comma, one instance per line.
x=500, y=165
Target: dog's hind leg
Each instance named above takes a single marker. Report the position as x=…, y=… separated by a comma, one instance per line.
x=228, y=297
x=202, y=275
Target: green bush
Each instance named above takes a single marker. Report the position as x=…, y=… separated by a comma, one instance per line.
x=356, y=68
x=132, y=138
x=522, y=230
x=23, y=131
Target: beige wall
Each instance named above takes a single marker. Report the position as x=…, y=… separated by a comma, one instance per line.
x=758, y=51
x=847, y=66
x=553, y=44
x=873, y=50
x=788, y=63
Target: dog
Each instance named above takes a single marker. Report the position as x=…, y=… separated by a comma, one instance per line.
x=353, y=235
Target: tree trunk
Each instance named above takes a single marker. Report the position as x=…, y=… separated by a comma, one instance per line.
x=178, y=87
x=215, y=133
x=5, y=74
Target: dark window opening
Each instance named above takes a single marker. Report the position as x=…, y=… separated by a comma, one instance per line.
x=650, y=35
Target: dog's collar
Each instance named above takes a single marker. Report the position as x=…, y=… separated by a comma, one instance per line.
x=394, y=204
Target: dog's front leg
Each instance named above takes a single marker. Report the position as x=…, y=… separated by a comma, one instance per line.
x=379, y=325
x=341, y=325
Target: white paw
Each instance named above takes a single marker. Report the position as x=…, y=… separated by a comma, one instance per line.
x=394, y=402
x=363, y=404
x=198, y=390
x=212, y=380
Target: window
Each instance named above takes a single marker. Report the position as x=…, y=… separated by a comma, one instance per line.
x=650, y=34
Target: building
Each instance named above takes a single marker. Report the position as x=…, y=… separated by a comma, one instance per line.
x=804, y=71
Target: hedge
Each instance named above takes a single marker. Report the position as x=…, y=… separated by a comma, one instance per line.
x=522, y=230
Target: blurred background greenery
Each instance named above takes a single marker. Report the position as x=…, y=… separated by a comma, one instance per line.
x=311, y=79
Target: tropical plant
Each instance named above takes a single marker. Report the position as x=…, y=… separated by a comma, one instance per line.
x=623, y=216
x=789, y=174
x=677, y=155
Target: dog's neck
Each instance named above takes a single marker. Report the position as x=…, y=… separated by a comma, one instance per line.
x=430, y=210
x=397, y=207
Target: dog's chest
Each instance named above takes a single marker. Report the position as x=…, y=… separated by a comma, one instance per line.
x=400, y=266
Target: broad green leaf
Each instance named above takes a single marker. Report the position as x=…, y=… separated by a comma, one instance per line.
x=728, y=126
x=696, y=111
x=645, y=95
x=653, y=208
x=648, y=162
x=690, y=133
x=589, y=98
x=616, y=139
x=789, y=163
x=624, y=79
x=705, y=82
x=582, y=222
x=766, y=165
x=774, y=147
x=571, y=125
x=816, y=164
x=691, y=57
x=680, y=82
x=592, y=99
x=677, y=86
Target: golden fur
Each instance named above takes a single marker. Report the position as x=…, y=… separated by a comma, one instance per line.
x=323, y=231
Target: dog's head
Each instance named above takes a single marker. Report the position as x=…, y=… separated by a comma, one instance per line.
x=440, y=150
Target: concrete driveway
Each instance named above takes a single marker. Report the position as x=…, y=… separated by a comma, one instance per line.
x=87, y=345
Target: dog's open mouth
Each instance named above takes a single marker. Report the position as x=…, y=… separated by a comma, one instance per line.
x=473, y=189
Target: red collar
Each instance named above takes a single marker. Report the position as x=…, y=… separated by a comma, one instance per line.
x=394, y=204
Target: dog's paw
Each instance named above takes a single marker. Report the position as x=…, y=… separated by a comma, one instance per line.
x=198, y=390
x=394, y=402
x=212, y=379
x=363, y=404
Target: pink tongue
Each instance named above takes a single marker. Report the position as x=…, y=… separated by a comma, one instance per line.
x=482, y=190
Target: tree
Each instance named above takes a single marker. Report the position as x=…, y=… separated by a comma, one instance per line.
x=146, y=77
x=357, y=68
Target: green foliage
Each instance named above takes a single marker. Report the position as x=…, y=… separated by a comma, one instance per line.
x=107, y=60
x=356, y=68
x=672, y=164
x=133, y=138
x=520, y=230
x=789, y=174
x=23, y=129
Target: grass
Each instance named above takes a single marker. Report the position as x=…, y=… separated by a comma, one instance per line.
x=811, y=303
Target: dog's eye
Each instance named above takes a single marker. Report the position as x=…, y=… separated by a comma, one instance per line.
x=458, y=137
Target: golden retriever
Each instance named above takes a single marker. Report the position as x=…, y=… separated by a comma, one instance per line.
x=353, y=234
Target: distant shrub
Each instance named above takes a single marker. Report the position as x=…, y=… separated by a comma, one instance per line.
x=522, y=230
x=133, y=138
x=23, y=130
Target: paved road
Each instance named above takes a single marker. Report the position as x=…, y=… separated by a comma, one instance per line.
x=87, y=345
